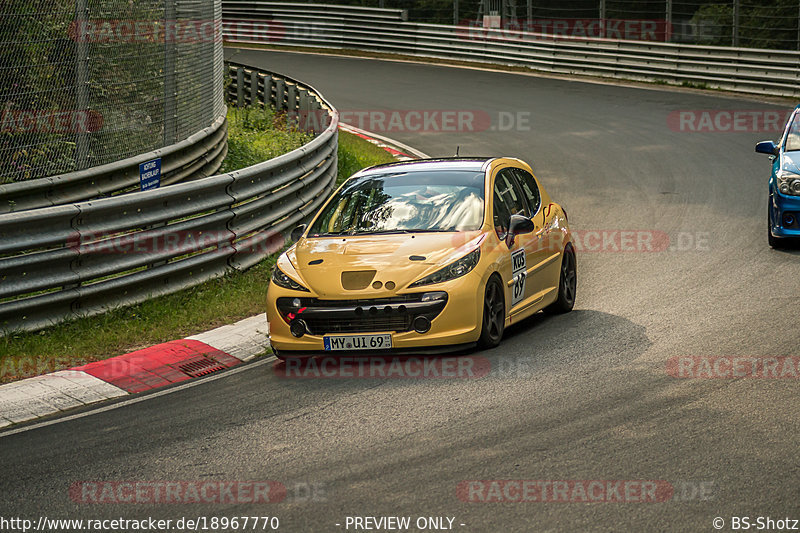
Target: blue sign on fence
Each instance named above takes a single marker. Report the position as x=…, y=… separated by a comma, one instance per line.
x=150, y=174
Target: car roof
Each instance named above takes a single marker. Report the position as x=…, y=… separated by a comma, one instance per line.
x=442, y=163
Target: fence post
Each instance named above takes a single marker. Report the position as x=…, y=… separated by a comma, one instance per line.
x=170, y=89
x=602, y=18
x=668, y=29
x=455, y=12
x=735, y=31
x=81, y=81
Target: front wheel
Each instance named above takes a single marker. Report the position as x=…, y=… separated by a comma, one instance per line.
x=286, y=356
x=494, y=314
x=773, y=241
x=567, y=285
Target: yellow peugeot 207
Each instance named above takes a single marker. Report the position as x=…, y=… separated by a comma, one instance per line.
x=411, y=257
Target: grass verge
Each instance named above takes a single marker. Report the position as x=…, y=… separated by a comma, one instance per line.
x=253, y=136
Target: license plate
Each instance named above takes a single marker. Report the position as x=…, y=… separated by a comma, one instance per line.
x=358, y=342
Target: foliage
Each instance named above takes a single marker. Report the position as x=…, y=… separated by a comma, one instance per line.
x=256, y=134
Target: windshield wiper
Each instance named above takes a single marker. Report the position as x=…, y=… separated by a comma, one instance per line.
x=401, y=231
x=330, y=233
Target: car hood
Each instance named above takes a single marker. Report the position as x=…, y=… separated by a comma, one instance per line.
x=350, y=265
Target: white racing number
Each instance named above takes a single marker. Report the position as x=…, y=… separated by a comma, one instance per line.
x=519, y=271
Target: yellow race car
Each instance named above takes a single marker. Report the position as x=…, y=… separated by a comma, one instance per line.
x=410, y=257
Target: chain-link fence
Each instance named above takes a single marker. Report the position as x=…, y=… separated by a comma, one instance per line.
x=89, y=82
x=746, y=23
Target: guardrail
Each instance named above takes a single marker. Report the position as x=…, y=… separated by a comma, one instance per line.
x=198, y=156
x=770, y=72
x=80, y=259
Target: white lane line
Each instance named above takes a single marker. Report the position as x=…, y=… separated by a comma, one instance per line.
x=193, y=383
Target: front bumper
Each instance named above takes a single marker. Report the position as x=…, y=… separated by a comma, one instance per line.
x=456, y=322
x=781, y=206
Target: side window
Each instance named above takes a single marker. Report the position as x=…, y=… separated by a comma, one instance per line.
x=529, y=189
x=793, y=134
x=507, y=201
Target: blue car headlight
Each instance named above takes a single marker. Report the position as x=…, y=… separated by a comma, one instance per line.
x=282, y=280
x=788, y=183
x=454, y=270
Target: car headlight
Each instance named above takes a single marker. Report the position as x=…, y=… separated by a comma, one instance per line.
x=282, y=280
x=789, y=183
x=454, y=270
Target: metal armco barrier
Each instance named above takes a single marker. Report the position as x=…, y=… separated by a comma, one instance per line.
x=769, y=72
x=61, y=262
x=196, y=157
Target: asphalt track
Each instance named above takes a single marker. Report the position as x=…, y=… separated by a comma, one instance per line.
x=584, y=396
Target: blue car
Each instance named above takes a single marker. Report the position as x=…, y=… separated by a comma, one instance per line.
x=783, y=213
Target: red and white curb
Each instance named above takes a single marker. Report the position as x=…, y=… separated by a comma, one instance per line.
x=139, y=371
x=156, y=366
x=400, y=151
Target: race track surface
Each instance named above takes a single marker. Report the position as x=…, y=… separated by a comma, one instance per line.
x=580, y=397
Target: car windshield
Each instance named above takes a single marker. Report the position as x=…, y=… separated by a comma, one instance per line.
x=400, y=202
x=793, y=137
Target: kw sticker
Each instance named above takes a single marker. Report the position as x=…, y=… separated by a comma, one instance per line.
x=519, y=271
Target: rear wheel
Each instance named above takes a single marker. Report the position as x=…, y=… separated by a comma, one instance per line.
x=567, y=285
x=494, y=314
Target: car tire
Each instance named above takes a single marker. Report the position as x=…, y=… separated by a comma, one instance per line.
x=774, y=242
x=567, y=284
x=283, y=356
x=494, y=314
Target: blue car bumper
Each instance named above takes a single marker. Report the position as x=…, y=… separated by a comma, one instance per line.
x=785, y=215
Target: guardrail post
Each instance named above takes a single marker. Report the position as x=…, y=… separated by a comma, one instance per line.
x=267, y=97
x=291, y=97
x=239, y=87
x=254, y=88
x=81, y=82
x=280, y=94
x=291, y=104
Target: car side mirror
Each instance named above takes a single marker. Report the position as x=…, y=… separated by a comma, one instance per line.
x=298, y=232
x=767, y=147
x=517, y=226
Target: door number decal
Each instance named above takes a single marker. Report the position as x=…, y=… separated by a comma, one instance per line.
x=519, y=271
